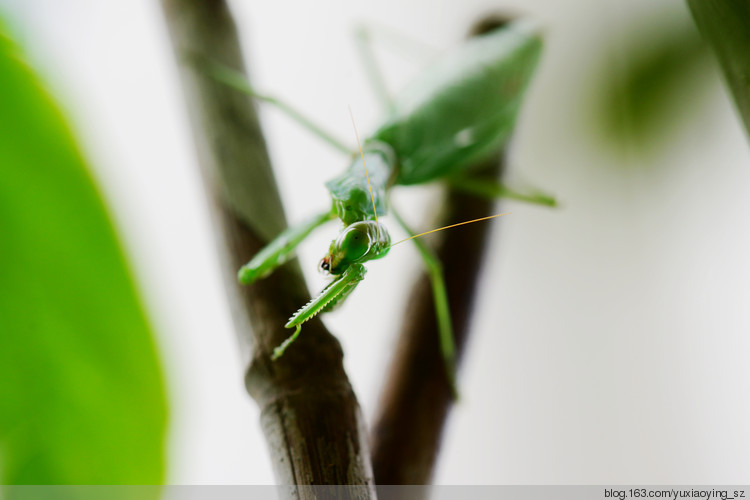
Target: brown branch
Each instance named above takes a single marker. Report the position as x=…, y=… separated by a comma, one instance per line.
x=407, y=430
x=414, y=405
x=309, y=413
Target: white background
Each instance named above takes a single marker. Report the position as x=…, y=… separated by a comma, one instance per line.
x=612, y=335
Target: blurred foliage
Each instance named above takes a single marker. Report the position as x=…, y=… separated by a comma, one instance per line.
x=82, y=397
x=726, y=26
x=653, y=78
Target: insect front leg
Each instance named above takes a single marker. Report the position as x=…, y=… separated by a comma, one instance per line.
x=442, y=308
x=334, y=293
x=280, y=249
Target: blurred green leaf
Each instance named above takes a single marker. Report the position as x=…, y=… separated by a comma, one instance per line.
x=652, y=82
x=82, y=396
x=726, y=26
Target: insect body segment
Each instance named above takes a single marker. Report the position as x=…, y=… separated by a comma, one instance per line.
x=357, y=243
x=350, y=191
x=458, y=113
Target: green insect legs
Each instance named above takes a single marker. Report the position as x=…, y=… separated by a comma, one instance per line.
x=280, y=249
x=278, y=351
x=460, y=112
x=332, y=294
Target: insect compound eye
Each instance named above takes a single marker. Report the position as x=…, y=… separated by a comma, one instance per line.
x=355, y=242
x=325, y=265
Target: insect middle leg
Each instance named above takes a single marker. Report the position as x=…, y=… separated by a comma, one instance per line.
x=486, y=187
x=442, y=308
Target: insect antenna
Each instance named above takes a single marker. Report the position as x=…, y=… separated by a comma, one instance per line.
x=362, y=154
x=448, y=227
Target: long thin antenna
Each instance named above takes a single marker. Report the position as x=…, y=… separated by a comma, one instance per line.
x=362, y=154
x=448, y=227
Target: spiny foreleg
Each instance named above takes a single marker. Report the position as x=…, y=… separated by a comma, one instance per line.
x=334, y=293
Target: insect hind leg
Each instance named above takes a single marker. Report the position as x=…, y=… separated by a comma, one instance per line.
x=363, y=42
x=238, y=81
x=490, y=188
x=400, y=43
x=442, y=308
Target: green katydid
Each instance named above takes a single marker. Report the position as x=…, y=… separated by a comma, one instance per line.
x=459, y=112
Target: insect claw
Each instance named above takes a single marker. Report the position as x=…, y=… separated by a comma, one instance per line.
x=279, y=350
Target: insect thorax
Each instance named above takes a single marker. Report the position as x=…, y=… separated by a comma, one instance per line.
x=350, y=191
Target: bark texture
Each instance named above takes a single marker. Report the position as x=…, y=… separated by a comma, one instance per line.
x=416, y=399
x=310, y=415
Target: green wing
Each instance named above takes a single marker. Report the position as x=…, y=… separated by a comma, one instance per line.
x=463, y=109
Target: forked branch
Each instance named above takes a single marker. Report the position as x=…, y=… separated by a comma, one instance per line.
x=310, y=416
x=417, y=395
